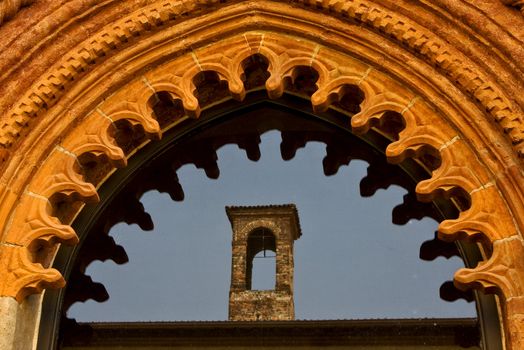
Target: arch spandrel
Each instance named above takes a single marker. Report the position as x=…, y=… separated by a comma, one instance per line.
x=448, y=105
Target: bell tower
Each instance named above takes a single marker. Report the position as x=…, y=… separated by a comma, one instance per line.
x=274, y=229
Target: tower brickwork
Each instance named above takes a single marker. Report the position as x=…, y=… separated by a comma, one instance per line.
x=257, y=228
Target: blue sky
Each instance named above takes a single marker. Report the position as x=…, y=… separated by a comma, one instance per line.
x=351, y=261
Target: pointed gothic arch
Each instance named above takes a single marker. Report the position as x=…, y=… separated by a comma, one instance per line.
x=67, y=103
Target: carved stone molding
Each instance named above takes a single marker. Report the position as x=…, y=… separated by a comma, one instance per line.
x=96, y=107
x=498, y=275
x=518, y=4
x=435, y=50
x=425, y=130
x=9, y=8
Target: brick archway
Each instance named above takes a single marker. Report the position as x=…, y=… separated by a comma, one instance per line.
x=451, y=107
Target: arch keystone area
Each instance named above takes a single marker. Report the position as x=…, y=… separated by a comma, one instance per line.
x=81, y=80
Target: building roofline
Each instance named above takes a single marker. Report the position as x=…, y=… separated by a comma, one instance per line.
x=289, y=208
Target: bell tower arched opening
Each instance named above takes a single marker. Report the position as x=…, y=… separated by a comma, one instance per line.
x=261, y=244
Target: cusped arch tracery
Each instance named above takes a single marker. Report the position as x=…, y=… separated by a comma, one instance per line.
x=49, y=88
x=40, y=203
x=423, y=128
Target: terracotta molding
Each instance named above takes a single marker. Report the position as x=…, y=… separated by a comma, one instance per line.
x=157, y=38
x=488, y=218
x=112, y=78
x=470, y=79
x=9, y=8
x=518, y=4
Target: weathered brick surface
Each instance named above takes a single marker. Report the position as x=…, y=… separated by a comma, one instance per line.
x=262, y=305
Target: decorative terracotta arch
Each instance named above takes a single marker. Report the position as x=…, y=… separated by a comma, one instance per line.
x=451, y=72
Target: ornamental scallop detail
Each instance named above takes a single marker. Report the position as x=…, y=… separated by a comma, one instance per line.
x=48, y=89
x=61, y=179
x=125, y=119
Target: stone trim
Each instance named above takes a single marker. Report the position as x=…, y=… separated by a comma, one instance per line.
x=518, y=4
x=488, y=216
x=46, y=91
x=29, y=212
x=9, y=8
